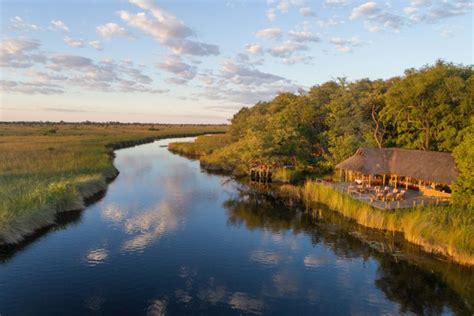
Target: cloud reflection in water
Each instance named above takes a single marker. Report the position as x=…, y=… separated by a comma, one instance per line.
x=97, y=256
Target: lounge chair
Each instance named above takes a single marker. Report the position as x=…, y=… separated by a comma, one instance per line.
x=389, y=197
x=401, y=195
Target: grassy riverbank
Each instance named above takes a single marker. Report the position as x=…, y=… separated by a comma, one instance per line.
x=203, y=145
x=447, y=230
x=49, y=168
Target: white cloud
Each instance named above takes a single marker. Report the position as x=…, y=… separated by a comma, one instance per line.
x=365, y=9
x=420, y=3
x=69, y=71
x=175, y=65
x=29, y=87
x=167, y=29
x=96, y=44
x=376, y=19
x=188, y=47
x=76, y=43
x=410, y=10
x=442, y=10
x=286, y=49
x=269, y=33
x=307, y=12
x=328, y=23
x=253, y=48
x=304, y=36
x=110, y=30
x=59, y=25
x=337, y=2
x=19, y=53
x=19, y=24
x=283, y=6
x=446, y=34
x=297, y=60
x=345, y=45
x=241, y=74
x=271, y=14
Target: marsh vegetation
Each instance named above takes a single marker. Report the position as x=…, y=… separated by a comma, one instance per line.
x=46, y=168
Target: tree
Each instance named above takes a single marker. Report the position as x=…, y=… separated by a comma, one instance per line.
x=464, y=157
x=428, y=106
x=348, y=120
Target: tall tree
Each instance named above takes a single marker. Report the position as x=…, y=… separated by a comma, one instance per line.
x=426, y=106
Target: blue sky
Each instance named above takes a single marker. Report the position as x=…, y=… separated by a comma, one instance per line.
x=200, y=61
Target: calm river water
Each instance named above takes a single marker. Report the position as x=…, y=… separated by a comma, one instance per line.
x=170, y=239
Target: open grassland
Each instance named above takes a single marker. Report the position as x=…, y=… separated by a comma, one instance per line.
x=49, y=168
x=203, y=145
x=447, y=230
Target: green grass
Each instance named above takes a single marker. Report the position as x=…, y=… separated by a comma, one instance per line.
x=44, y=172
x=443, y=229
x=203, y=145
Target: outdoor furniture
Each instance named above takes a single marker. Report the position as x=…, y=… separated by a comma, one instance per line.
x=380, y=196
x=389, y=197
x=400, y=196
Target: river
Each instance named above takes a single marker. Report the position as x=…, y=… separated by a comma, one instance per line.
x=168, y=238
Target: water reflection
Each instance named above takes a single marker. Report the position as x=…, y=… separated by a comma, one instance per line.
x=157, y=308
x=415, y=290
x=168, y=239
x=267, y=258
x=146, y=227
x=312, y=261
x=245, y=303
x=63, y=221
x=97, y=256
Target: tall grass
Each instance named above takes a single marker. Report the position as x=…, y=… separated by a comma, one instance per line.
x=42, y=173
x=202, y=145
x=442, y=229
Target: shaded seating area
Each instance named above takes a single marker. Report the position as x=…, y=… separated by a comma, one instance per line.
x=387, y=174
x=377, y=193
x=385, y=197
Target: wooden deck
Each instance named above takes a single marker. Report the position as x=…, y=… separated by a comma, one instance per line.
x=412, y=198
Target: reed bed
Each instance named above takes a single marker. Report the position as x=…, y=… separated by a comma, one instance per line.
x=203, y=145
x=44, y=172
x=447, y=230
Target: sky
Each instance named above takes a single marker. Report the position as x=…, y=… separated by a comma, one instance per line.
x=189, y=61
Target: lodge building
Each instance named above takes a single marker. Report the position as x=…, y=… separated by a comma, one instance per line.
x=430, y=172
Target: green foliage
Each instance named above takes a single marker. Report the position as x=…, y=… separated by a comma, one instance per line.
x=429, y=106
x=203, y=145
x=313, y=131
x=464, y=156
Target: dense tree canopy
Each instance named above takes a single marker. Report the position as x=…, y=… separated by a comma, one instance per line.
x=427, y=108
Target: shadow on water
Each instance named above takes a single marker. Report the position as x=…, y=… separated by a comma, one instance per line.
x=418, y=282
x=63, y=221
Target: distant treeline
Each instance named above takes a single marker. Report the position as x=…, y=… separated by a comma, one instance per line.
x=430, y=108
x=99, y=123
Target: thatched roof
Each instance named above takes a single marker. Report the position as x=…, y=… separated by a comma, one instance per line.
x=430, y=166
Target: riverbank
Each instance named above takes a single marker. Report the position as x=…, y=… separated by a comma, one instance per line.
x=444, y=230
x=52, y=168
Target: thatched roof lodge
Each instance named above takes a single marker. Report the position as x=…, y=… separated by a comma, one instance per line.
x=428, y=171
